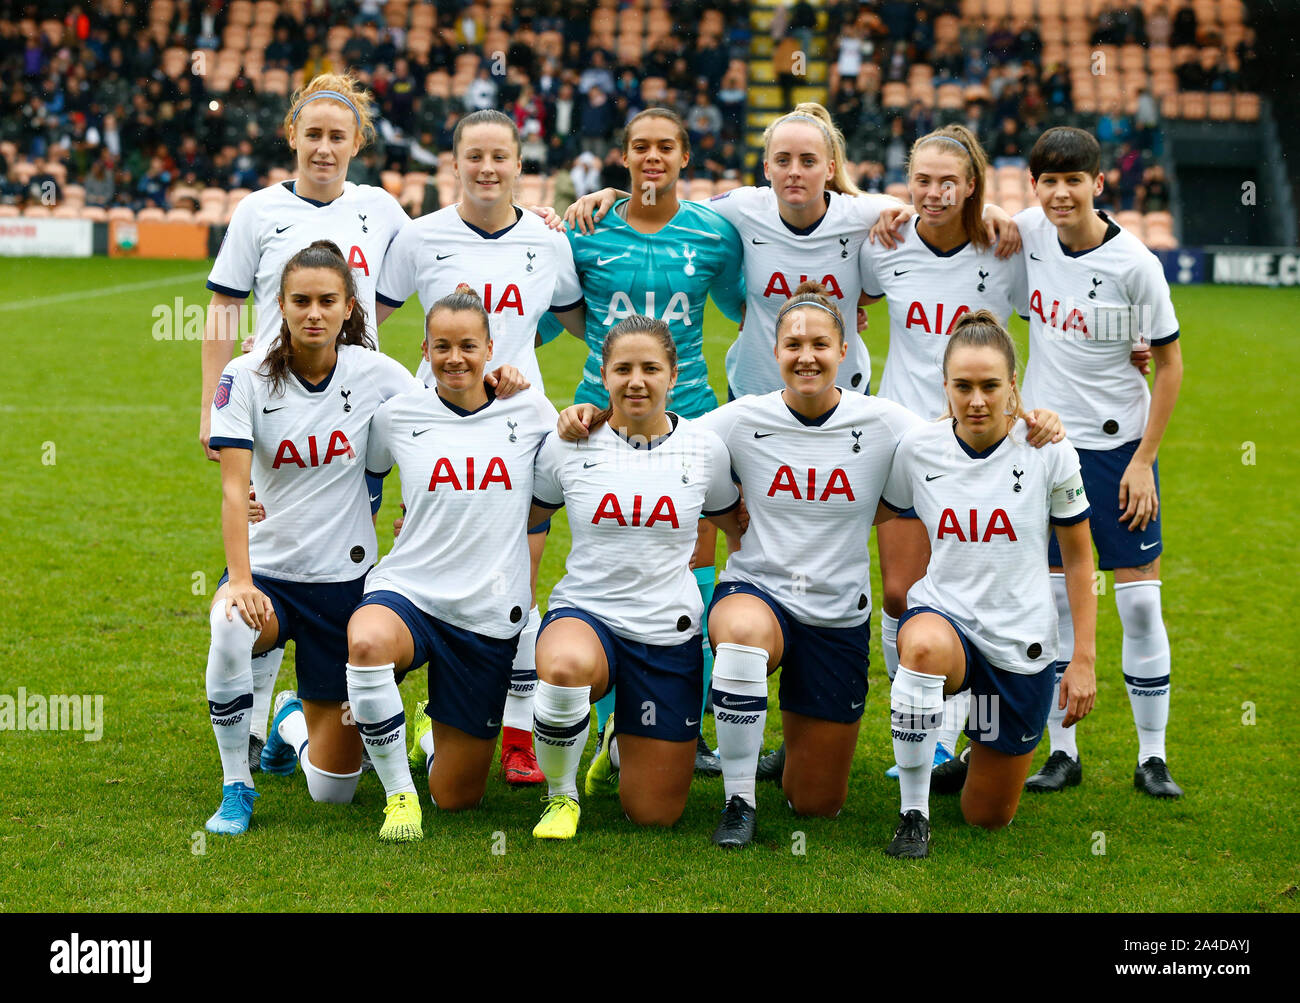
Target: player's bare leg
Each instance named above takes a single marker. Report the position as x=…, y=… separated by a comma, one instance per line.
x=818, y=758
x=655, y=778
x=704, y=565
x=459, y=773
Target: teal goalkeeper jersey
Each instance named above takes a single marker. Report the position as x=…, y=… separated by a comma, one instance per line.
x=667, y=275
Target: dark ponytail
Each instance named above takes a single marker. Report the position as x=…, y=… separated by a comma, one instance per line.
x=318, y=254
x=636, y=324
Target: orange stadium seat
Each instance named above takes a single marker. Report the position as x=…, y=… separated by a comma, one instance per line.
x=37, y=210
x=120, y=213
x=66, y=212
x=1247, y=107
x=93, y=213
x=1193, y=105
x=9, y=211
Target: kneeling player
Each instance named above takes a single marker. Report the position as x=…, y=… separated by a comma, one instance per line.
x=454, y=590
x=296, y=421
x=627, y=611
x=982, y=618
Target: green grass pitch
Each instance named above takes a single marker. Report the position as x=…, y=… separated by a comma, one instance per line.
x=112, y=546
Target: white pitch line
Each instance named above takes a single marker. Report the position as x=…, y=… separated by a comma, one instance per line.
x=101, y=291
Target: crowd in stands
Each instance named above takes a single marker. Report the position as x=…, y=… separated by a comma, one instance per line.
x=129, y=99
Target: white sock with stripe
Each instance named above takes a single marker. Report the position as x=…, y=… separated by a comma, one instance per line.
x=561, y=720
x=1062, y=738
x=916, y=710
x=889, y=642
x=1146, y=660
x=523, y=677
x=229, y=683
x=377, y=710
x=740, y=713
x=266, y=669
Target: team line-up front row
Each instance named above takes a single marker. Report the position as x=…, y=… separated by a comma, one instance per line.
x=975, y=510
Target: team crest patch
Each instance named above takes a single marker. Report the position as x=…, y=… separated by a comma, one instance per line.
x=222, y=397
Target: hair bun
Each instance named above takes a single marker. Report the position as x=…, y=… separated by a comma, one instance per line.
x=809, y=286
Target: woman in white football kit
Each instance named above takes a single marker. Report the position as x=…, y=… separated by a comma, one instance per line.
x=983, y=617
x=454, y=590
x=942, y=266
x=328, y=122
x=296, y=421
x=813, y=461
x=522, y=270
x=627, y=611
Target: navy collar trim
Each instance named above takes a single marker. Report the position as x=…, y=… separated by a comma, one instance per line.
x=318, y=388
x=803, y=231
x=647, y=446
x=1112, y=229
x=289, y=187
x=971, y=451
x=821, y=419
x=519, y=214
x=934, y=250
x=459, y=411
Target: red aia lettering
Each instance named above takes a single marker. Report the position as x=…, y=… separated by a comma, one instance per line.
x=357, y=259
x=836, y=484
x=445, y=473
x=609, y=508
x=916, y=317
x=511, y=299
x=287, y=453
x=778, y=286
x=999, y=524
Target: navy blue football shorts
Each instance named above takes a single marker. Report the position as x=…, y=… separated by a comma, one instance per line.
x=314, y=615
x=469, y=673
x=660, y=688
x=1102, y=470
x=823, y=669
x=1008, y=709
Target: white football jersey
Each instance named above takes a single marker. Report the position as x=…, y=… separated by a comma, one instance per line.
x=987, y=516
x=309, y=444
x=777, y=259
x=467, y=483
x=521, y=273
x=632, y=515
x=270, y=226
x=1087, y=310
x=812, y=492
x=927, y=291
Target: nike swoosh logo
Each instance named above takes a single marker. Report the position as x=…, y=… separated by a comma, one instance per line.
x=1035, y=256
x=731, y=703
x=755, y=240
x=281, y=229
x=375, y=498
x=606, y=261
x=1148, y=546
x=421, y=432
x=855, y=706
x=588, y=466
x=1028, y=738
x=690, y=723
x=439, y=257
x=763, y=435
x=903, y=272
x=494, y=724
x=933, y=477
x=272, y=410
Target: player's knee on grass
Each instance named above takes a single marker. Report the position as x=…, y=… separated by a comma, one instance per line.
x=817, y=796
x=988, y=816
x=457, y=793
x=650, y=814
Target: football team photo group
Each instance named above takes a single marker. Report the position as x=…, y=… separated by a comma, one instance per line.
x=546, y=494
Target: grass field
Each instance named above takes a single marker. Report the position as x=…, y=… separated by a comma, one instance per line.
x=112, y=547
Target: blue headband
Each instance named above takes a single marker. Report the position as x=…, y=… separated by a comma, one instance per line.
x=950, y=139
x=839, y=321
x=327, y=94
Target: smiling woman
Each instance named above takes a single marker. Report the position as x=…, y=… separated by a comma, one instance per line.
x=327, y=123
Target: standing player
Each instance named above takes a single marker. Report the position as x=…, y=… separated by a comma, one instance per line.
x=627, y=611
x=454, y=590
x=981, y=618
x=940, y=268
x=296, y=421
x=522, y=269
x=656, y=256
x=1095, y=291
x=328, y=122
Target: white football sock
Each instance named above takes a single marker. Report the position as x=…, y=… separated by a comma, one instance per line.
x=327, y=788
x=561, y=719
x=740, y=713
x=1062, y=739
x=523, y=677
x=955, y=711
x=377, y=710
x=1146, y=659
x=230, y=691
x=613, y=753
x=889, y=642
x=916, y=710
x=293, y=731
x=266, y=669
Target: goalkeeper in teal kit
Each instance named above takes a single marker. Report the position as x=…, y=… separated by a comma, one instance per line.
x=655, y=255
